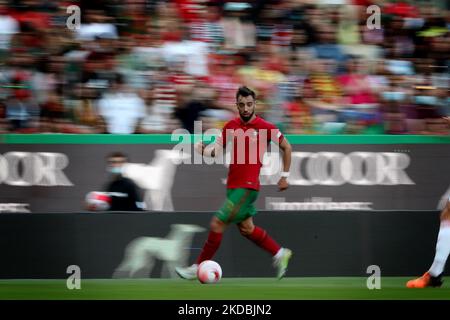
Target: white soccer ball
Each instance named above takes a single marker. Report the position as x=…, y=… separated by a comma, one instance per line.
x=209, y=272
x=98, y=201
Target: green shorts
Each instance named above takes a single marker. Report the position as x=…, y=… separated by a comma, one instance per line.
x=238, y=206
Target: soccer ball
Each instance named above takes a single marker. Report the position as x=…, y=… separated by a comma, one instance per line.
x=209, y=272
x=98, y=201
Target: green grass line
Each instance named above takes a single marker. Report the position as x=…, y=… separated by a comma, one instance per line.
x=168, y=139
x=314, y=288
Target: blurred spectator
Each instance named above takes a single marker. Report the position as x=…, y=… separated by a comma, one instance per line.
x=155, y=120
x=355, y=84
x=327, y=48
x=393, y=103
x=8, y=27
x=299, y=116
x=239, y=32
x=21, y=111
x=121, y=108
x=97, y=25
x=85, y=112
x=348, y=28
x=200, y=99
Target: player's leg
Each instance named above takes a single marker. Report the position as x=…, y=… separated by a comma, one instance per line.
x=442, y=245
x=230, y=210
x=218, y=225
x=260, y=237
x=432, y=278
x=210, y=247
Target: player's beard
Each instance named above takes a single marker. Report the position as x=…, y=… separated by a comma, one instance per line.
x=246, y=118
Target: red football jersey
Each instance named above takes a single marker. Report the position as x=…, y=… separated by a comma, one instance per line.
x=247, y=142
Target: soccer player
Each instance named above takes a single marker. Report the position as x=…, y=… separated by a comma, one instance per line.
x=433, y=277
x=243, y=182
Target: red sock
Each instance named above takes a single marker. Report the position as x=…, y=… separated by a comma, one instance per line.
x=260, y=237
x=210, y=247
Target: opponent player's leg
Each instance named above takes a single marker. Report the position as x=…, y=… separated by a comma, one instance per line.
x=261, y=238
x=210, y=247
x=433, y=277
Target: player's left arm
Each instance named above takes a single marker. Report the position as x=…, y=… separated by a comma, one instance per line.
x=286, y=147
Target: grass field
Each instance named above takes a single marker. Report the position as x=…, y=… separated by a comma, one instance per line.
x=228, y=289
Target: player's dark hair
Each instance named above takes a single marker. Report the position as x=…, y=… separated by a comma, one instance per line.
x=245, y=92
x=117, y=154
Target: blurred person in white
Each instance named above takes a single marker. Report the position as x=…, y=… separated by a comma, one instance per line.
x=188, y=56
x=95, y=26
x=239, y=32
x=8, y=27
x=121, y=108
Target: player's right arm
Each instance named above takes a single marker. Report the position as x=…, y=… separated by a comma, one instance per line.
x=213, y=149
x=210, y=150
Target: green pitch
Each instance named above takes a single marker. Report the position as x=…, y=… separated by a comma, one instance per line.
x=229, y=288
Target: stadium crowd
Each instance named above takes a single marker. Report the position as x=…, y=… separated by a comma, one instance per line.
x=149, y=66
